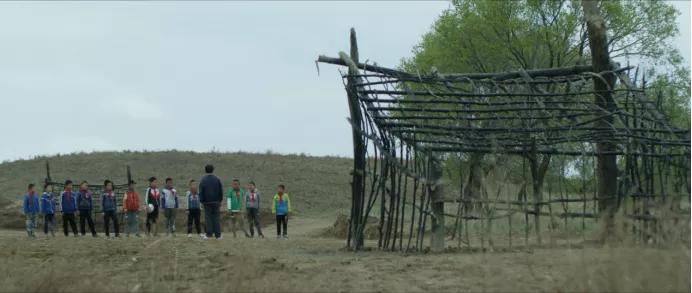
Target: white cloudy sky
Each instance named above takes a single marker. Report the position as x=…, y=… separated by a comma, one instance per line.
x=84, y=76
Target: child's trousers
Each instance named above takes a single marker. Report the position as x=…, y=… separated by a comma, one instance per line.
x=254, y=220
x=30, y=224
x=107, y=217
x=237, y=220
x=281, y=221
x=86, y=216
x=49, y=223
x=152, y=218
x=68, y=218
x=132, y=222
x=169, y=213
x=193, y=216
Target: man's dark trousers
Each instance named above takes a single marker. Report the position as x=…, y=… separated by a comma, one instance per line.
x=212, y=218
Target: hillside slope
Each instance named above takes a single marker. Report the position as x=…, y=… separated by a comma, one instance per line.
x=318, y=185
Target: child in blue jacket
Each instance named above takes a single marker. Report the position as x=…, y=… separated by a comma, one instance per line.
x=48, y=206
x=68, y=206
x=109, y=208
x=31, y=209
x=85, y=204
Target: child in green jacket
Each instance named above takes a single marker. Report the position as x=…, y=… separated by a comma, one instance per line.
x=235, y=207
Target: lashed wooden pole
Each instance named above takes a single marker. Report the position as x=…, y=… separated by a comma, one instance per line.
x=355, y=240
x=437, y=233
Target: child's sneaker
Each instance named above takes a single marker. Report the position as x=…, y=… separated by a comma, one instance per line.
x=285, y=237
x=278, y=236
x=189, y=235
x=201, y=235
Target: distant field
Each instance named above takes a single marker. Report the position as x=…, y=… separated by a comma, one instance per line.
x=317, y=185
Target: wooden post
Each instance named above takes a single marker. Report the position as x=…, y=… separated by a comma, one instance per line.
x=356, y=240
x=48, y=178
x=127, y=185
x=537, y=196
x=607, y=164
x=437, y=235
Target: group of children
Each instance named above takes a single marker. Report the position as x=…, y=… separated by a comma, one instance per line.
x=241, y=204
x=69, y=203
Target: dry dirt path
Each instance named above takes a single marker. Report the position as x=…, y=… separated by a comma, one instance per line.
x=299, y=264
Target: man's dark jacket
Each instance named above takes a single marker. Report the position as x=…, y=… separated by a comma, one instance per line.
x=210, y=189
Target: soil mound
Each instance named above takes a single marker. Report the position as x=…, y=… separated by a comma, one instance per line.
x=340, y=228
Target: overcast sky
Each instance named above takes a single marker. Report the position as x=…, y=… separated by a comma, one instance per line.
x=85, y=76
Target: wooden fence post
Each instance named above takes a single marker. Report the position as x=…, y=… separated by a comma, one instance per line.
x=437, y=235
x=356, y=240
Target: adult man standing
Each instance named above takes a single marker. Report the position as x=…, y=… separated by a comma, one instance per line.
x=211, y=195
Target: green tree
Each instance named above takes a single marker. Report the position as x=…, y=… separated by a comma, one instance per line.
x=499, y=36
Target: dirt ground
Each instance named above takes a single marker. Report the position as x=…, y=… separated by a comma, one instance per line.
x=305, y=263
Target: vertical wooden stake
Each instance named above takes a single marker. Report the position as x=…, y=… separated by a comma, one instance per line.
x=48, y=178
x=437, y=240
x=356, y=239
x=536, y=191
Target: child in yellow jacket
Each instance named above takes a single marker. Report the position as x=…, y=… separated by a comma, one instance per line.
x=281, y=207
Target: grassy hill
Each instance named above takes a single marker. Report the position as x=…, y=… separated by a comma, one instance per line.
x=318, y=185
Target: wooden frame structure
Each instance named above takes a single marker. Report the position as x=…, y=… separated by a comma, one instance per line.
x=413, y=121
